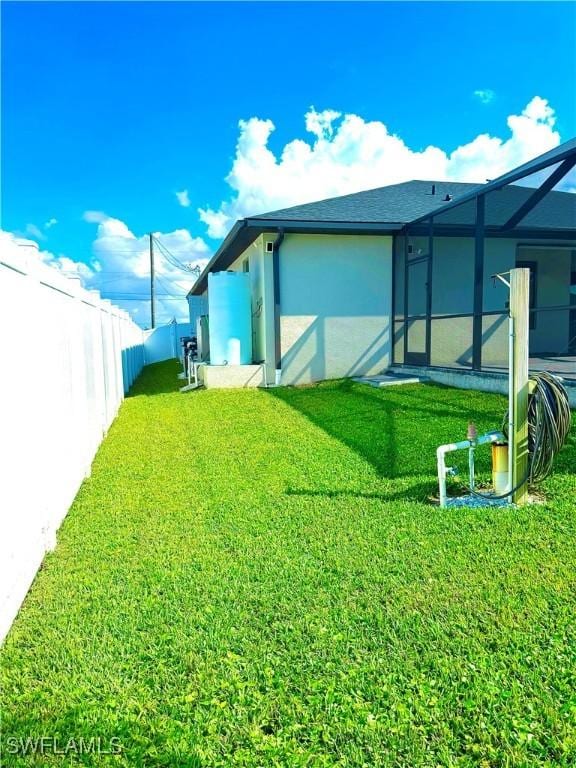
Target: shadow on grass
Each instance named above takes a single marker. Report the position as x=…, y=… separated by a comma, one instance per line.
x=417, y=491
x=395, y=429
x=157, y=379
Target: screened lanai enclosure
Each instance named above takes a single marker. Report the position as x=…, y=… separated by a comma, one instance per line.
x=450, y=309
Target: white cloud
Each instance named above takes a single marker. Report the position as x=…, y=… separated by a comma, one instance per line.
x=120, y=266
x=183, y=198
x=31, y=250
x=35, y=232
x=485, y=95
x=349, y=154
x=320, y=123
x=94, y=217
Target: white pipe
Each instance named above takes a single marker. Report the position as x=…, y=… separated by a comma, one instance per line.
x=442, y=450
x=277, y=376
x=471, y=472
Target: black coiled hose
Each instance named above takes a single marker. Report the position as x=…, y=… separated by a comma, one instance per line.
x=549, y=420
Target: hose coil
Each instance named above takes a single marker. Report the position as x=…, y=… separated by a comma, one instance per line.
x=549, y=420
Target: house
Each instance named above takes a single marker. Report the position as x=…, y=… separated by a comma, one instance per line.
x=402, y=276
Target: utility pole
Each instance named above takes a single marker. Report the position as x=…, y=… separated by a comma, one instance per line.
x=152, y=312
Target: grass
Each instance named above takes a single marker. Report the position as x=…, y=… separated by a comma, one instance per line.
x=254, y=578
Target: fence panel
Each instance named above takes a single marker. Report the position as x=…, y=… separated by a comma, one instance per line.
x=67, y=359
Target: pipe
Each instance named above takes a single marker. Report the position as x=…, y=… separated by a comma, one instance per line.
x=471, y=470
x=442, y=450
x=472, y=435
x=276, y=279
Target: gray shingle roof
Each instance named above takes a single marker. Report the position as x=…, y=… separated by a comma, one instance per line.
x=405, y=202
x=394, y=203
x=557, y=210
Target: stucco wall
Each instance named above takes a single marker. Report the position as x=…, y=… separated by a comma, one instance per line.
x=260, y=269
x=335, y=298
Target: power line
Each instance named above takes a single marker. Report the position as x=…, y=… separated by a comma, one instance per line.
x=141, y=298
x=118, y=292
x=172, y=259
x=164, y=282
x=169, y=255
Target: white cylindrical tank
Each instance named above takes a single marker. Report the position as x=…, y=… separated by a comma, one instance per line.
x=230, y=318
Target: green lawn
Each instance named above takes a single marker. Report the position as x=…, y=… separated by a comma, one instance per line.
x=255, y=578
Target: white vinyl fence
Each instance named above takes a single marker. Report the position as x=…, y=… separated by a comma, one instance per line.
x=163, y=343
x=67, y=358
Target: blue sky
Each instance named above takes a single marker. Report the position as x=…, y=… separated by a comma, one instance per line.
x=114, y=107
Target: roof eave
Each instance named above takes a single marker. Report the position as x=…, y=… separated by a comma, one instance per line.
x=252, y=228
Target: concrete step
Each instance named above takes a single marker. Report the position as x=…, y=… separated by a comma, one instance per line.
x=389, y=379
x=483, y=381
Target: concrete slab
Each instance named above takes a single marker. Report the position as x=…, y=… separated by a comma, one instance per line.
x=231, y=376
x=389, y=379
x=482, y=381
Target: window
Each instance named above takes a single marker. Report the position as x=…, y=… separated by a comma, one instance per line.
x=246, y=265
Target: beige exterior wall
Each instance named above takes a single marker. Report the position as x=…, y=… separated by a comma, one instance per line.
x=335, y=298
x=261, y=282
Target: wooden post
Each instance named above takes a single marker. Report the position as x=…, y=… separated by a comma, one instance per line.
x=519, y=311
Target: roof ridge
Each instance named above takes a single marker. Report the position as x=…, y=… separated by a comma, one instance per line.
x=268, y=214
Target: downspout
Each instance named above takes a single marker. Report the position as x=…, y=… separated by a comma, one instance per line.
x=276, y=277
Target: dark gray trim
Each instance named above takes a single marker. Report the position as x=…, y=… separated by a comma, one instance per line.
x=564, y=151
x=454, y=315
x=478, y=283
x=491, y=313
x=393, y=300
x=416, y=358
x=459, y=230
x=429, y=292
x=556, y=308
x=326, y=227
x=418, y=259
x=405, y=296
x=276, y=281
x=541, y=192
